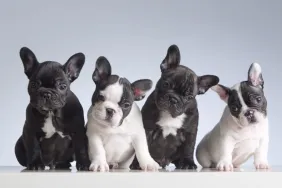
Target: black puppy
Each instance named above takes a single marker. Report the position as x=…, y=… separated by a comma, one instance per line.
x=54, y=127
x=170, y=114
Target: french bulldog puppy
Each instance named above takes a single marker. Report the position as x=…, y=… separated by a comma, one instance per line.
x=115, y=129
x=242, y=131
x=54, y=127
x=170, y=114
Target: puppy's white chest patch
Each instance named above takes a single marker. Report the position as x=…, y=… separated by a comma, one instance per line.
x=169, y=124
x=49, y=129
x=118, y=147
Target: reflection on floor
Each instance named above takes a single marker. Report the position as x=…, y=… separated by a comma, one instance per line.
x=17, y=169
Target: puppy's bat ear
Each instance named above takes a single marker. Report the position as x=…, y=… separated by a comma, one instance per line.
x=222, y=91
x=140, y=88
x=74, y=65
x=255, y=75
x=205, y=82
x=172, y=59
x=102, y=70
x=29, y=61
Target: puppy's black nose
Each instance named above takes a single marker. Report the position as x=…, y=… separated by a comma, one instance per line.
x=249, y=114
x=110, y=112
x=173, y=100
x=47, y=95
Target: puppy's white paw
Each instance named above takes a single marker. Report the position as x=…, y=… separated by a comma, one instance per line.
x=261, y=164
x=224, y=165
x=149, y=164
x=99, y=165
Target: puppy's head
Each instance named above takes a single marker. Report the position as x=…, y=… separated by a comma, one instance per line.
x=246, y=100
x=113, y=97
x=179, y=85
x=49, y=81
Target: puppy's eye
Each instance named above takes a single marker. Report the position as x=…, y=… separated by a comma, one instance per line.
x=126, y=105
x=258, y=99
x=234, y=109
x=101, y=98
x=165, y=84
x=62, y=86
x=189, y=97
x=34, y=84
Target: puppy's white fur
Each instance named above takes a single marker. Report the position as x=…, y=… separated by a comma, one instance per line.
x=232, y=142
x=48, y=127
x=169, y=124
x=110, y=144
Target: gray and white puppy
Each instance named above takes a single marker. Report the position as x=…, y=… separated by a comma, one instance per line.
x=170, y=114
x=54, y=127
x=242, y=131
x=115, y=129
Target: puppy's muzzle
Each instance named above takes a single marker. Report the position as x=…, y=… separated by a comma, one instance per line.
x=173, y=100
x=46, y=95
x=110, y=113
x=250, y=115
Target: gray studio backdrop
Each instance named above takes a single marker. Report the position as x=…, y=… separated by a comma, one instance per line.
x=214, y=37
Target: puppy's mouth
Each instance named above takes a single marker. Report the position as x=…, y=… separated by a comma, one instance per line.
x=252, y=120
x=41, y=107
x=105, y=121
x=245, y=122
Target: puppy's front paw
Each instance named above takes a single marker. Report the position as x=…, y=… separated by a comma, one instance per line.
x=261, y=164
x=82, y=167
x=188, y=164
x=99, y=165
x=224, y=165
x=149, y=164
x=35, y=167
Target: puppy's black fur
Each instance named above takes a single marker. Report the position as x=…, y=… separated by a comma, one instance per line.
x=174, y=94
x=53, y=131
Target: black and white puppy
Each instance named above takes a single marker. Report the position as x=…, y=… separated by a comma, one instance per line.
x=54, y=127
x=115, y=129
x=170, y=114
x=242, y=131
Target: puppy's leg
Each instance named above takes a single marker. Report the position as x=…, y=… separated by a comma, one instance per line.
x=144, y=158
x=20, y=152
x=225, y=149
x=97, y=153
x=125, y=165
x=64, y=153
x=260, y=156
x=48, y=152
x=243, y=151
x=202, y=154
x=33, y=150
x=79, y=139
x=186, y=150
x=204, y=158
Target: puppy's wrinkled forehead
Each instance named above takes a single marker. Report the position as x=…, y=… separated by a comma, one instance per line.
x=244, y=96
x=50, y=72
x=247, y=89
x=182, y=78
x=116, y=88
